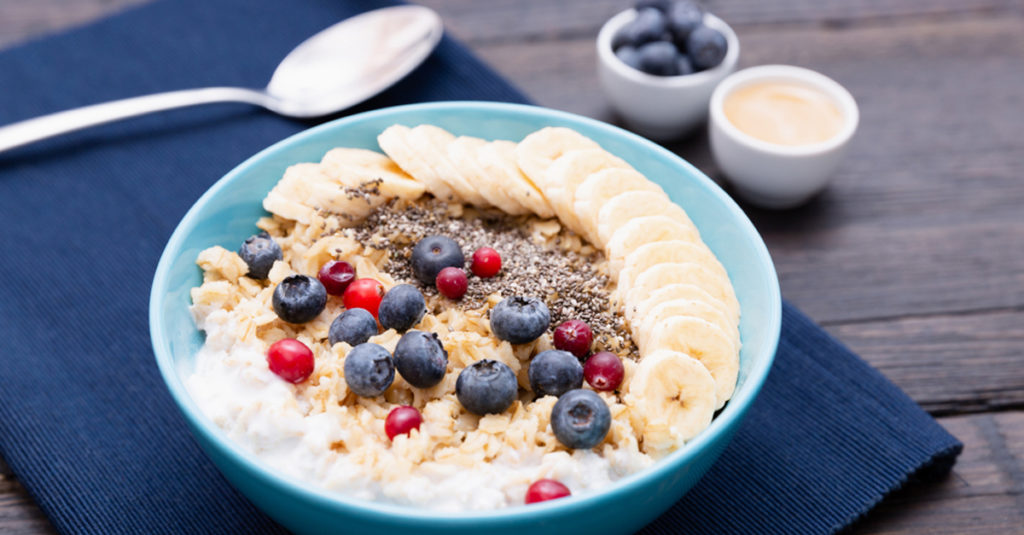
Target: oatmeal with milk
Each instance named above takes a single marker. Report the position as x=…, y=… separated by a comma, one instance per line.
x=461, y=324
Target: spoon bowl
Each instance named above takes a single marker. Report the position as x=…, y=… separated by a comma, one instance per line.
x=353, y=60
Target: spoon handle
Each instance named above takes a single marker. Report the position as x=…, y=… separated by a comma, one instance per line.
x=39, y=128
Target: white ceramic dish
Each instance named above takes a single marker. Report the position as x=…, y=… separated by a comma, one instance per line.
x=772, y=175
x=660, y=107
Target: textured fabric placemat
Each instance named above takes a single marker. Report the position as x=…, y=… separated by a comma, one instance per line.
x=86, y=423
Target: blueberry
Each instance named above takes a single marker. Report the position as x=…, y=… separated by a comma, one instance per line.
x=259, y=252
x=369, y=370
x=649, y=25
x=658, y=58
x=683, y=65
x=299, y=298
x=580, y=419
x=660, y=5
x=706, y=47
x=434, y=253
x=520, y=320
x=555, y=372
x=683, y=18
x=629, y=56
x=401, y=308
x=421, y=359
x=486, y=387
x=354, y=326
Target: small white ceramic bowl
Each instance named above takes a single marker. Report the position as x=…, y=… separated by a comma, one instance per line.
x=772, y=175
x=660, y=107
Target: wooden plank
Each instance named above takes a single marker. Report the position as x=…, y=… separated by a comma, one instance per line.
x=872, y=271
x=514, y=20
x=20, y=21
x=921, y=218
x=949, y=364
x=983, y=495
x=979, y=515
x=18, y=514
x=989, y=465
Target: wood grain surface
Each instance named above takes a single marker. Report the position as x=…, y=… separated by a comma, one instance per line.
x=914, y=256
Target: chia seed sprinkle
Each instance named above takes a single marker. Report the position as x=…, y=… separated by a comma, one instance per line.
x=568, y=281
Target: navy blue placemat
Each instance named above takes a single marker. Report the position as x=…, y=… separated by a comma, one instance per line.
x=86, y=423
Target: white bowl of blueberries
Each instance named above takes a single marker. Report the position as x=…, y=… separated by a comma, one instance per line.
x=659, y=62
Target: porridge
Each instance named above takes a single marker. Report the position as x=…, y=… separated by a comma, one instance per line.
x=351, y=345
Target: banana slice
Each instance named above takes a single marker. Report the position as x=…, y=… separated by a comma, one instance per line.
x=671, y=398
x=601, y=187
x=642, y=231
x=463, y=152
x=705, y=342
x=665, y=252
x=636, y=312
x=287, y=197
x=625, y=207
x=306, y=188
x=662, y=275
x=537, y=151
x=645, y=325
x=356, y=167
x=352, y=205
x=498, y=158
x=362, y=158
x=566, y=174
x=431, y=143
x=395, y=142
x=278, y=204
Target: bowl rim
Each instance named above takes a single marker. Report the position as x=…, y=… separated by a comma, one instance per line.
x=734, y=410
x=609, y=59
x=785, y=73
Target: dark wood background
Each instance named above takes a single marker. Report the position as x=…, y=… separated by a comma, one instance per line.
x=914, y=256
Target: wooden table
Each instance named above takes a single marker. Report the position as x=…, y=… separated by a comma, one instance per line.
x=914, y=256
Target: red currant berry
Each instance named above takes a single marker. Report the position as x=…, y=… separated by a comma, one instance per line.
x=291, y=360
x=452, y=282
x=604, y=371
x=543, y=490
x=575, y=337
x=486, y=262
x=336, y=275
x=402, y=420
x=364, y=293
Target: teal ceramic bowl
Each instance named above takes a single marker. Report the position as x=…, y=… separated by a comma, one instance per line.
x=225, y=215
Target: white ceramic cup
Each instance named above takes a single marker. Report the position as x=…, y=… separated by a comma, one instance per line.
x=660, y=107
x=772, y=175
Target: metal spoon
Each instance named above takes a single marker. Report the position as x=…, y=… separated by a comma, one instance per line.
x=337, y=68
